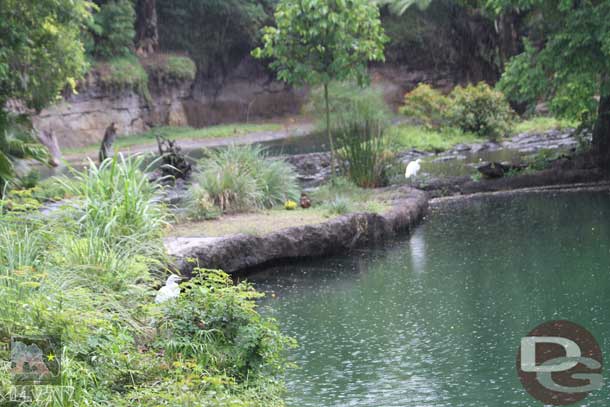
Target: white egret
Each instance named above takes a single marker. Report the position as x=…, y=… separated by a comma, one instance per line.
x=169, y=291
x=412, y=169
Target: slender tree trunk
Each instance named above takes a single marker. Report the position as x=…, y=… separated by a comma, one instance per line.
x=601, y=132
x=329, y=133
x=147, y=34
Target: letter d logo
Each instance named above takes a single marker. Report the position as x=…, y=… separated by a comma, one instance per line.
x=559, y=363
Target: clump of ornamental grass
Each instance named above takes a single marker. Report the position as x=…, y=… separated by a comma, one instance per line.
x=116, y=202
x=242, y=178
x=359, y=119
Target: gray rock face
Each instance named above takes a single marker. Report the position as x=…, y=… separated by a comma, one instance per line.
x=82, y=119
x=312, y=169
x=533, y=142
x=341, y=234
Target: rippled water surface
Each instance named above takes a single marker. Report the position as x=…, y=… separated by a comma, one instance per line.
x=436, y=319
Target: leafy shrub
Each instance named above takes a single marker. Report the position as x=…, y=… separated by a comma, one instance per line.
x=124, y=73
x=165, y=68
x=113, y=29
x=474, y=109
x=215, y=323
x=240, y=178
x=523, y=81
x=426, y=105
x=481, y=110
x=17, y=144
x=181, y=68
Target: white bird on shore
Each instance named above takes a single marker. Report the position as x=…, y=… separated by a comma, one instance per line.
x=412, y=169
x=169, y=291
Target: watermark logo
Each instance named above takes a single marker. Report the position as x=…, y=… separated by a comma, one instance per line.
x=35, y=360
x=560, y=363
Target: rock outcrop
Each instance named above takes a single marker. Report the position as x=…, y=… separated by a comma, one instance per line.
x=81, y=119
x=241, y=252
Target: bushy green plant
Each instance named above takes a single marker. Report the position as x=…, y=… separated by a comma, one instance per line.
x=476, y=109
x=240, y=178
x=524, y=82
x=113, y=29
x=181, y=68
x=122, y=73
x=426, y=105
x=17, y=144
x=215, y=324
x=480, y=110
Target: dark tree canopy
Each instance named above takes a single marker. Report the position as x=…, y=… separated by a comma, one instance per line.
x=40, y=48
x=570, y=65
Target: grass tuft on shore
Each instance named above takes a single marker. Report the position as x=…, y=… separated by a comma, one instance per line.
x=407, y=137
x=542, y=124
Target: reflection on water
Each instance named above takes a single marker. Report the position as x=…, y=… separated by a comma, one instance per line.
x=436, y=320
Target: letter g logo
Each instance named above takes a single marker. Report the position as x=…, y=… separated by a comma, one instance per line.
x=559, y=363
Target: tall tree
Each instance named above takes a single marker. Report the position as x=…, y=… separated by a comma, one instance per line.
x=315, y=42
x=40, y=48
x=147, y=32
x=40, y=55
x=571, y=65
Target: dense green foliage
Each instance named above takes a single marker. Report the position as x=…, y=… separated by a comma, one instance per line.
x=241, y=178
x=16, y=144
x=112, y=31
x=87, y=274
x=318, y=41
x=123, y=73
x=426, y=105
x=571, y=64
x=474, y=109
x=40, y=48
x=481, y=110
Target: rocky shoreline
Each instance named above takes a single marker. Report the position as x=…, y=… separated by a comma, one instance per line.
x=242, y=252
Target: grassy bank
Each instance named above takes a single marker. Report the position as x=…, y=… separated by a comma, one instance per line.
x=542, y=124
x=407, y=137
x=420, y=138
x=85, y=279
x=180, y=133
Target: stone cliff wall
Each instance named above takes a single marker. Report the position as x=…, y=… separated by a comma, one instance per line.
x=81, y=119
x=247, y=93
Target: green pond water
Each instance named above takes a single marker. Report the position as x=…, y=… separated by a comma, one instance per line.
x=436, y=319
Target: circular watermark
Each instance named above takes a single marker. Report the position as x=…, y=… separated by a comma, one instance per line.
x=560, y=363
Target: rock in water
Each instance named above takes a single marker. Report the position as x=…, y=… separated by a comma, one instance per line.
x=493, y=170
